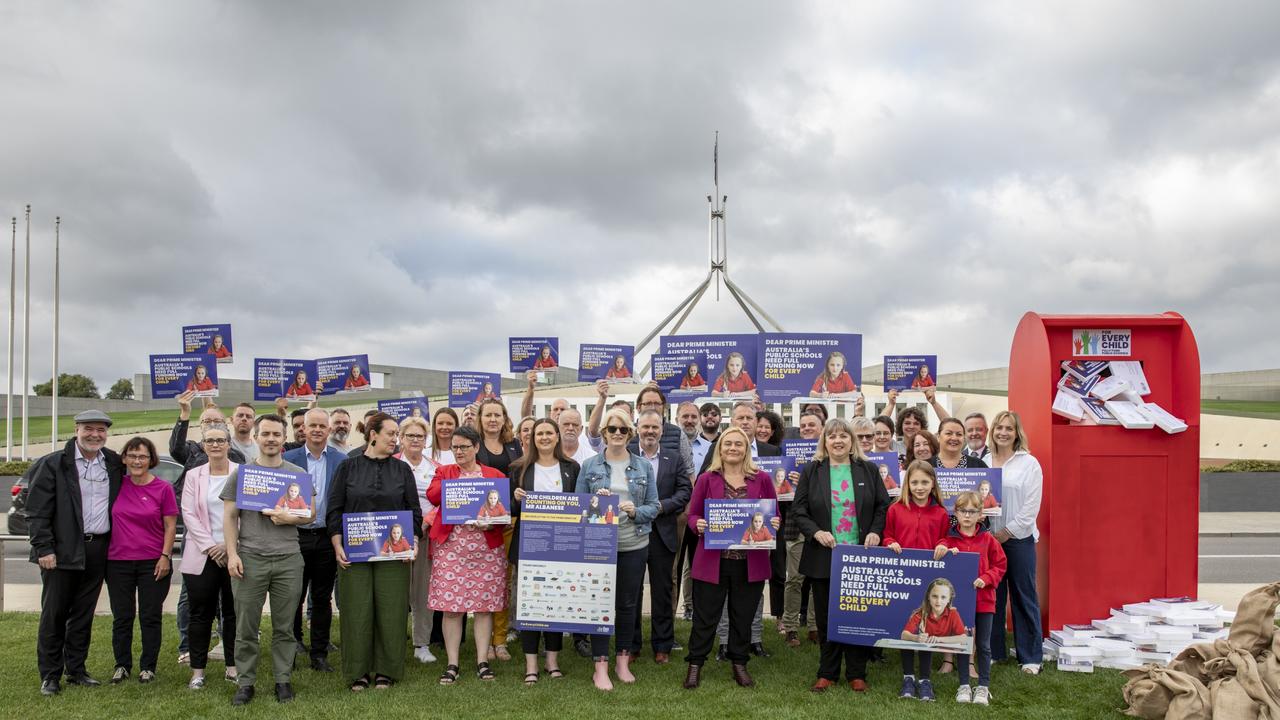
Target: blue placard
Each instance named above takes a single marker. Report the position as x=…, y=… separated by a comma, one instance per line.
x=740, y=524
x=737, y=351
x=378, y=536
x=801, y=450
x=212, y=340
x=779, y=469
x=173, y=375
x=467, y=501
x=910, y=372
x=615, y=363
x=406, y=407
x=566, y=578
x=466, y=388
x=681, y=375
x=890, y=471
x=261, y=488
x=984, y=481
x=343, y=374
x=875, y=592
x=533, y=353
x=825, y=366
x=284, y=377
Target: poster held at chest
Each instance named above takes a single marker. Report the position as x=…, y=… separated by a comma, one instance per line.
x=984, y=481
x=740, y=524
x=468, y=501
x=568, y=554
x=261, y=488
x=779, y=470
x=378, y=536
x=212, y=339
x=800, y=450
x=884, y=599
x=173, y=375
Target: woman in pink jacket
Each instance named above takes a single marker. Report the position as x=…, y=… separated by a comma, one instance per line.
x=204, y=554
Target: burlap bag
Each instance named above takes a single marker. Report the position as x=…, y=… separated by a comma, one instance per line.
x=1230, y=701
x=1191, y=660
x=1249, y=678
x=1254, y=625
x=1155, y=692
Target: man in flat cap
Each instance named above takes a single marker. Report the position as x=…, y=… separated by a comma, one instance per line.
x=69, y=523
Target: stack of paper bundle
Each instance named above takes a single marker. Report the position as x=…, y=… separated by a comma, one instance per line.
x=1140, y=633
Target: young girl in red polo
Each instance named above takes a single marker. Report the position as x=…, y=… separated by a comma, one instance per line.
x=969, y=536
x=917, y=520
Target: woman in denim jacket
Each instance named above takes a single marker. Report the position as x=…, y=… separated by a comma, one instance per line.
x=617, y=471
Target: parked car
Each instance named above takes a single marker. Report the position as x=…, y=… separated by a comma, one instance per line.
x=168, y=470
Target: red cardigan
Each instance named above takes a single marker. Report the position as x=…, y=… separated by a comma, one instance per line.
x=440, y=531
x=915, y=527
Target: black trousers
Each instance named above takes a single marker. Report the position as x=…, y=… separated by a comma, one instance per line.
x=909, y=662
x=67, y=601
x=319, y=571
x=708, y=602
x=777, y=579
x=205, y=592
x=662, y=619
x=135, y=592
x=829, y=658
x=629, y=578
x=552, y=641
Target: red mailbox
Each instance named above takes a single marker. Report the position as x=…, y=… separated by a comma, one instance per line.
x=1120, y=515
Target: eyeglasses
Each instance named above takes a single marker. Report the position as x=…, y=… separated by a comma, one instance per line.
x=414, y=436
x=968, y=511
x=462, y=448
x=651, y=404
x=615, y=430
x=135, y=457
x=216, y=441
x=864, y=436
x=884, y=433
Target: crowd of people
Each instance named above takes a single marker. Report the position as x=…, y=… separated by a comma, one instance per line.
x=96, y=516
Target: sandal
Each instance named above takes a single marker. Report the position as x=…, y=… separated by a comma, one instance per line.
x=484, y=672
x=382, y=682
x=530, y=679
x=450, y=675
x=554, y=673
x=360, y=685
x=947, y=667
x=501, y=652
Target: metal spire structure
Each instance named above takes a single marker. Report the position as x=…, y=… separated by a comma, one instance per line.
x=718, y=253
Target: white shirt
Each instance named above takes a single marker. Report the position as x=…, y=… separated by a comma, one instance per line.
x=547, y=479
x=95, y=493
x=213, y=498
x=1022, y=482
x=582, y=453
x=654, y=460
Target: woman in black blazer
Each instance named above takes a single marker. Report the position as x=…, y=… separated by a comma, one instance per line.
x=838, y=460
x=544, y=469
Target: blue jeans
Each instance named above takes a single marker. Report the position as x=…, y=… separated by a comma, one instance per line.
x=1019, y=585
x=981, y=651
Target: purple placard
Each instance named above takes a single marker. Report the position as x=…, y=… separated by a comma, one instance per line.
x=533, y=353
x=801, y=450
x=740, y=524
x=173, y=375
x=827, y=366
x=737, y=350
x=984, y=481
x=259, y=488
x=890, y=471
x=343, y=374
x=378, y=536
x=566, y=578
x=910, y=372
x=466, y=388
x=779, y=469
x=284, y=377
x=212, y=340
x=614, y=363
x=468, y=501
x=406, y=407
x=681, y=375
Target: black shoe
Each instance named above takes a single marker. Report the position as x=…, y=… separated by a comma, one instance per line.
x=320, y=664
x=758, y=650
x=243, y=696
x=83, y=680
x=284, y=692
x=330, y=648
x=722, y=653
x=50, y=687
x=583, y=647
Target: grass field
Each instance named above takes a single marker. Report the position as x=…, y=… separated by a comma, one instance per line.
x=781, y=692
x=1242, y=408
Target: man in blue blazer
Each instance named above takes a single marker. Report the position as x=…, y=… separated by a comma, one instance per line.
x=320, y=565
x=675, y=487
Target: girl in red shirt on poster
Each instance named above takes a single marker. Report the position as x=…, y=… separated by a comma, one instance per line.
x=217, y=349
x=757, y=533
x=734, y=378
x=922, y=378
x=293, y=500
x=300, y=387
x=200, y=381
x=970, y=536
x=486, y=393
x=396, y=542
x=834, y=380
x=619, y=370
x=545, y=361
x=492, y=507
x=355, y=379
x=692, y=379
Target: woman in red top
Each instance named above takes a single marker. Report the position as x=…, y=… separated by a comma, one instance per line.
x=757, y=533
x=692, y=378
x=300, y=387
x=970, y=536
x=619, y=370
x=217, y=349
x=734, y=378
x=396, y=542
x=200, y=381
x=834, y=380
x=469, y=564
x=355, y=379
x=545, y=361
x=922, y=378
x=292, y=499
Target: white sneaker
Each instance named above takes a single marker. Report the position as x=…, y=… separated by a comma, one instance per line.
x=423, y=654
x=1031, y=668
x=217, y=652
x=964, y=695
x=982, y=696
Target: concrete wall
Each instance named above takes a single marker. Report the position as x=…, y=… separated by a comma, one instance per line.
x=1249, y=385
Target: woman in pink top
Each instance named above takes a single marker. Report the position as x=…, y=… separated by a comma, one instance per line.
x=144, y=521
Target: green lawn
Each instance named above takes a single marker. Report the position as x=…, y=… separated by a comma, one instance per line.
x=781, y=692
x=1267, y=410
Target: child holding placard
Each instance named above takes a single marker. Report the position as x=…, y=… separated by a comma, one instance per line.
x=970, y=536
x=935, y=622
x=917, y=520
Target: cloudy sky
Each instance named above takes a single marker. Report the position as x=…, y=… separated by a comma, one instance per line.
x=420, y=181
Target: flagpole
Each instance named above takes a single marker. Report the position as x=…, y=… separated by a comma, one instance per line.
x=13, y=296
x=26, y=338
x=57, y=252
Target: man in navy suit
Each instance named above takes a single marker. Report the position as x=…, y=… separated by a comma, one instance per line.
x=320, y=565
x=675, y=486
